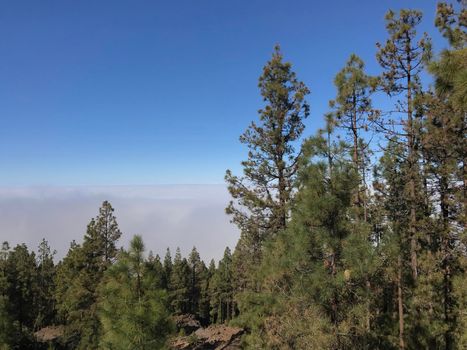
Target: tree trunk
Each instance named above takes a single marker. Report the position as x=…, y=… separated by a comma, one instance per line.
x=412, y=176
x=400, y=303
x=446, y=254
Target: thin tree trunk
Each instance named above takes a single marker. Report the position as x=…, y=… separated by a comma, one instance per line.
x=412, y=175
x=368, y=305
x=329, y=156
x=446, y=253
x=400, y=303
x=355, y=156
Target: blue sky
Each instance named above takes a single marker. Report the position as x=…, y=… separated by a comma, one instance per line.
x=155, y=92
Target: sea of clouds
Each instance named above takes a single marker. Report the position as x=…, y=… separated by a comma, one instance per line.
x=165, y=215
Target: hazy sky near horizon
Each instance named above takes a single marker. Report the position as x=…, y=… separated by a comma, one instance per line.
x=165, y=215
x=111, y=99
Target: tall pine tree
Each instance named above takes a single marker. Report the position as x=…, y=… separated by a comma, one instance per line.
x=262, y=196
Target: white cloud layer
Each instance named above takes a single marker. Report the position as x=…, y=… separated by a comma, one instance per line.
x=165, y=215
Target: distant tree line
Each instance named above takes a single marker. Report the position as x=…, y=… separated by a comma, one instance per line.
x=353, y=238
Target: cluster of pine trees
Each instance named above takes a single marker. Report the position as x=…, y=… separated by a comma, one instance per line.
x=353, y=238
x=107, y=297
x=356, y=240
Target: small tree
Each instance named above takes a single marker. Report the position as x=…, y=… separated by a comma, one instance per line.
x=353, y=111
x=180, y=281
x=132, y=310
x=46, y=285
x=80, y=274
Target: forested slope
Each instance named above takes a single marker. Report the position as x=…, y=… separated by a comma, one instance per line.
x=352, y=237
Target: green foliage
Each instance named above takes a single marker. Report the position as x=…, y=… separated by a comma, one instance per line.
x=168, y=266
x=271, y=163
x=6, y=323
x=155, y=271
x=402, y=56
x=20, y=274
x=451, y=24
x=180, y=282
x=132, y=309
x=46, y=285
x=79, y=276
x=198, y=270
x=319, y=266
x=262, y=197
x=222, y=290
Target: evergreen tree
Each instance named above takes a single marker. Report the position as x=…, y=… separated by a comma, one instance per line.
x=82, y=271
x=450, y=73
x=5, y=251
x=22, y=291
x=132, y=309
x=263, y=194
x=67, y=307
x=402, y=58
x=102, y=235
x=197, y=271
x=167, y=269
x=314, y=276
x=155, y=271
x=222, y=291
x=389, y=185
x=206, y=293
x=353, y=111
x=46, y=285
x=444, y=144
x=6, y=323
x=180, y=282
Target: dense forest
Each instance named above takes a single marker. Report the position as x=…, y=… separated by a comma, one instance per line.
x=352, y=237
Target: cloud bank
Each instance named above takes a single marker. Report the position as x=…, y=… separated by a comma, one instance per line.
x=165, y=215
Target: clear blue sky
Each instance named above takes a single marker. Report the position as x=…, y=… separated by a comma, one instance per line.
x=151, y=92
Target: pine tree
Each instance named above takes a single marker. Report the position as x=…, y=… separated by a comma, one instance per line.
x=132, y=309
x=222, y=290
x=389, y=187
x=353, y=110
x=452, y=24
x=180, y=281
x=444, y=144
x=314, y=276
x=6, y=323
x=402, y=58
x=262, y=196
x=206, y=294
x=46, y=285
x=168, y=266
x=450, y=73
x=155, y=271
x=5, y=251
x=103, y=232
x=197, y=268
x=22, y=290
x=67, y=270
x=80, y=275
